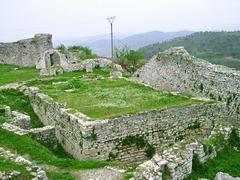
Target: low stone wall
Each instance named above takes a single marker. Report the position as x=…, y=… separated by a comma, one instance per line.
x=20, y=124
x=45, y=135
x=25, y=52
x=5, y=175
x=36, y=171
x=117, y=138
x=21, y=120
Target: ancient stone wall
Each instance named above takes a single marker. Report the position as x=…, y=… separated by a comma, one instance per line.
x=53, y=62
x=103, y=139
x=20, y=124
x=176, y=70
x=177, y=162
x=25, y=52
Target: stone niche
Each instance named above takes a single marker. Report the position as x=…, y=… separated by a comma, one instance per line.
x=50, y=63
x=51, y=58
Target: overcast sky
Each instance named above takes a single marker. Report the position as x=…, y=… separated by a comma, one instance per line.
x=77, y=18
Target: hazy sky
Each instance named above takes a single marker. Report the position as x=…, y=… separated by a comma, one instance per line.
x=76, y=18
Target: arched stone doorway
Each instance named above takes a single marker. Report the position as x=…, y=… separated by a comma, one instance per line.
x=52, y=58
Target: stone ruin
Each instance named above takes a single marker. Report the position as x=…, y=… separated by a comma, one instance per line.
x=20, y=124
x=25, y=53
x=39, y=52
x=53, y=62
x=176, y=70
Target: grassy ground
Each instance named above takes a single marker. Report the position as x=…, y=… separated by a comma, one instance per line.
x=11, y=73
x=227, y=160
x=101, y=99
x=7, y=165
x=25, y=145
x=59, y=176
x=109, y=98
x=19, y=102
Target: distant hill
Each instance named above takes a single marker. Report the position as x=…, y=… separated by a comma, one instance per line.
x=216, y=47
x=101, y=44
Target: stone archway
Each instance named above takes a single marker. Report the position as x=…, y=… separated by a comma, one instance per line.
x=52, y=57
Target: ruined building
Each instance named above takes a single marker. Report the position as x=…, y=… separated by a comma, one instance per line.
x=26, y=52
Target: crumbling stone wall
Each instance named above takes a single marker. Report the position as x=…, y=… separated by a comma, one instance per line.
x=20, y=124
x=53, y=62
x=102, y=139
x=176, y=163
x=176, y=70
x=25, y=52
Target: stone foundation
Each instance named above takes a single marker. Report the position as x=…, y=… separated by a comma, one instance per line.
x=103, y=139
x=20, y=124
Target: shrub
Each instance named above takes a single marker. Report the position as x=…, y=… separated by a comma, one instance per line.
x=196, y=164
x=61, y=48
x=150, y=151
x=165, y=173
x=130, y=60
x=140, y=142
x=81, y=52
x=74, y=84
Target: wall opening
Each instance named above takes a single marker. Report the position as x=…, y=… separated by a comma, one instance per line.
x=54, y=59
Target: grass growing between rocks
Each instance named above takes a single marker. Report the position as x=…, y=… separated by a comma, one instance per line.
x=7, y=166
x=108, y=98
x=25, y=145
x=12, y=73
x=19, y=102
x=227, y=160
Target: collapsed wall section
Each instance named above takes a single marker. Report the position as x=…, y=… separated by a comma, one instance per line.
x=119, y=137
x=25, y=53
x=176, y=70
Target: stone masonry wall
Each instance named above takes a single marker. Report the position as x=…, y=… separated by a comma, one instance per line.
x=176, y=162
x=100, y=139
x=25, y=52
x=176, y=70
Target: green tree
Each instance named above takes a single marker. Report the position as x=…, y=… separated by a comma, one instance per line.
x=61, y=48
x=81, y=52
x=134, y=58
x=130, y=60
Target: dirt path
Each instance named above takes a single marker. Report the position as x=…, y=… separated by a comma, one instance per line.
x=98, y=174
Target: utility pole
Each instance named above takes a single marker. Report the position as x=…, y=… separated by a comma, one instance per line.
x=111, y=19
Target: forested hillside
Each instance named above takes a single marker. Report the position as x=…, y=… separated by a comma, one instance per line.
x=217, y=47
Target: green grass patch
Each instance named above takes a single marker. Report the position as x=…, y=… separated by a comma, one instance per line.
x=12, y=73
x=108, y=98
x=19, y=102
x=59, y=176
x=227, y=160
x=25, y=145
x=130, y=172
x=7, y=165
